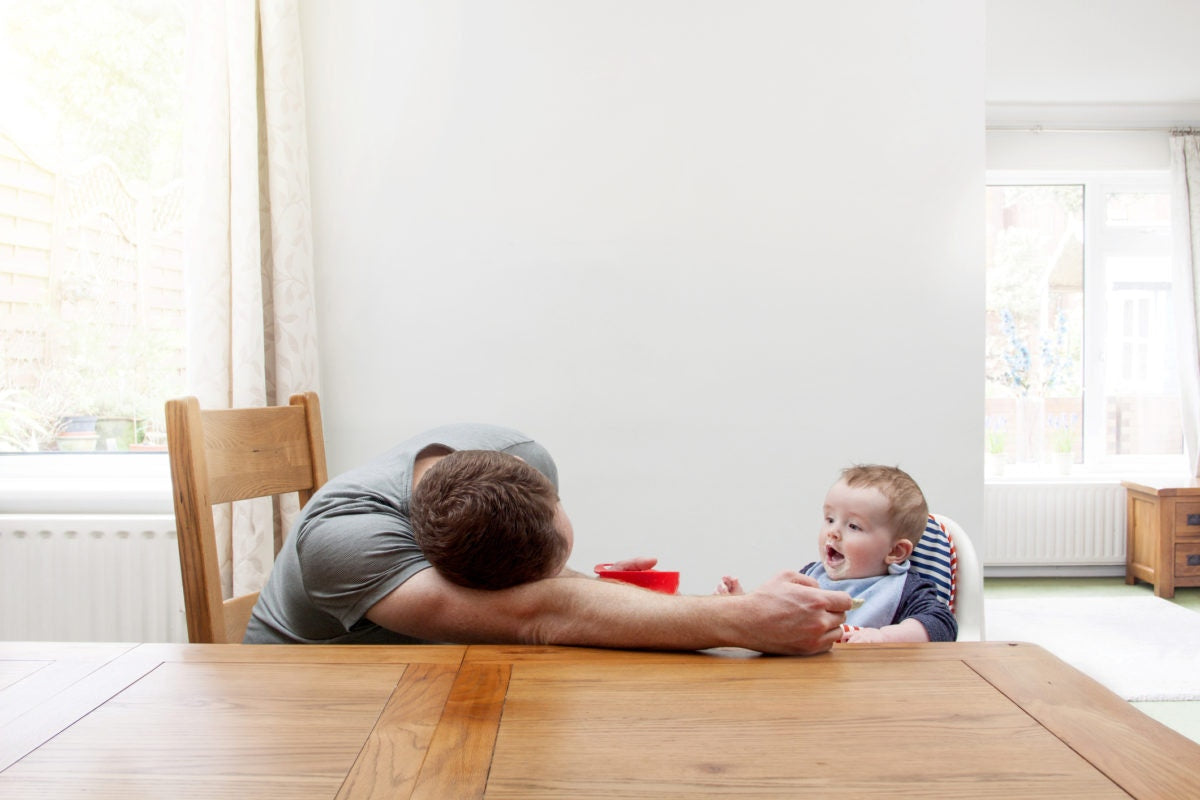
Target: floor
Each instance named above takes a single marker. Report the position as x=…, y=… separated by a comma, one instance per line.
x=1182, y=716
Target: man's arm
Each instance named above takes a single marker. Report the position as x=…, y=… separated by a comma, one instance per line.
x=787, y=615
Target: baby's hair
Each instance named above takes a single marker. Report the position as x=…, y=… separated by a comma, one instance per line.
x=907, y=509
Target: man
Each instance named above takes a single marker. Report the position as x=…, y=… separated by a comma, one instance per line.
x=353, y=569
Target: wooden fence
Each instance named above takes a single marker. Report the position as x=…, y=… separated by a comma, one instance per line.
x=91, y=287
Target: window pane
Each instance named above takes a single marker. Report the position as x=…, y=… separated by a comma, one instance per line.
x=1141, y=386
x=1034, y=322
x=1060, y=375
x=1140, y=209
x=91, y=290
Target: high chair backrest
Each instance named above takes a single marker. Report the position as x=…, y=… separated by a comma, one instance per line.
x=946, y=556
x=222, y=455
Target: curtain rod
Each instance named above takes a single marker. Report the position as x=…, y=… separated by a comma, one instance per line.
x=1173, y=130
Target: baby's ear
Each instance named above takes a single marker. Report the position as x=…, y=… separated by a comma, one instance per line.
x=901, y=550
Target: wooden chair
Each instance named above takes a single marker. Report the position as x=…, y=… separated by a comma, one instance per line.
x=219, y=456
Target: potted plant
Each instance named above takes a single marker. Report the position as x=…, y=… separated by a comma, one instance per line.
x=1062, y=441
x=92, y=406
x=21, y=427
x=102, y=365
x=995, y=440
x=59, y=416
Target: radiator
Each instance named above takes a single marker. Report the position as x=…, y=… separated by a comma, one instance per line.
x=1054, y=524
x=90, y=577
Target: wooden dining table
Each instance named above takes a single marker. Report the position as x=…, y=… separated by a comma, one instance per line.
x=969, y=719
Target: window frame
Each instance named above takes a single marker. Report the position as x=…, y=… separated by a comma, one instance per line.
x=85, y=483
x=1100, y=240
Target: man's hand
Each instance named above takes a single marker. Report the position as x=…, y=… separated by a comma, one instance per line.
x=636, y=564
x=630, y=564
x=789, y=614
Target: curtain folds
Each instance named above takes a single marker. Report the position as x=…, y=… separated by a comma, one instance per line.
x=1185, y=190
x=248, y=237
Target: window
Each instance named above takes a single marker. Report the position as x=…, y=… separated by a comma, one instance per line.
x=1081, y=371
x=91, y=290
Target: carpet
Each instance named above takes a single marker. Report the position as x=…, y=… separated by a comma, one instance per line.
x=1141, y=648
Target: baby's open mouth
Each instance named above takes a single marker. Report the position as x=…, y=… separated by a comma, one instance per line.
x=832, y=556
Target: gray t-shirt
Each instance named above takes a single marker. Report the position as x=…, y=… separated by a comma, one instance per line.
x=353, y=544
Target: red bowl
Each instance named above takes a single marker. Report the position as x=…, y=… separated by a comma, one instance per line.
x=657, y=580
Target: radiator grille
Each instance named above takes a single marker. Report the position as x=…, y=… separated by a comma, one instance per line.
x=1054, y=524
x=90, y=578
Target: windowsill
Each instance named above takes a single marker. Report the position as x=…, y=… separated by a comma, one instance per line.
x=1045, y=473
x=85, y=483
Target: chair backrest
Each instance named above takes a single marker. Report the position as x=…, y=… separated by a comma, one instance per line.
x=946, y=556
x=968, y=581
x=934, y=558
x=222, y=455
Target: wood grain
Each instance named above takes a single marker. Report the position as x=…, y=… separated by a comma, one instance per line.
x=215, y=730
x=774, y=728
x=1143, y=757
x=461, y=752
x=986, y=719
x=256, y=452
x=223, y=455
x=395, y=750
x=283, y=654
x=10, y=673
x=52, y=698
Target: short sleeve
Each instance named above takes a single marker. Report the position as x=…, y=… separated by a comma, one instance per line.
x=538, y=457
x=350, y=562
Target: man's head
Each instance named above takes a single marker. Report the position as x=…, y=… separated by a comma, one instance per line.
x=873, y=517
x=489, y=520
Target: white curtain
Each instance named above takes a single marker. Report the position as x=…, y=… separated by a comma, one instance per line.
x=1185, y=189
x=248, y=237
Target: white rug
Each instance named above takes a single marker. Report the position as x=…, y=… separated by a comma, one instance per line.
x=1142, y=648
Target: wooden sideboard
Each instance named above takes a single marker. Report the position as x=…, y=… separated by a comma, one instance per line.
x=1162, y=529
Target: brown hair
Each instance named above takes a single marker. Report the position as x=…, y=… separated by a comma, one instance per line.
x=485, y=520
x=907, y=509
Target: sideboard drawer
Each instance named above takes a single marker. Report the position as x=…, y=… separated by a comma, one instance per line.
x=1187, y=520
x=1187, y=560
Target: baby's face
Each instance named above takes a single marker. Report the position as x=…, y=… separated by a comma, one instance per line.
x=856, y=540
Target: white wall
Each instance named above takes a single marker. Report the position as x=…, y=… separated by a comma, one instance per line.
x=708, y=252
x=1079, y=150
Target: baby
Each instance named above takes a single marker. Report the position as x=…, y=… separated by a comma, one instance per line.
x=874, y=516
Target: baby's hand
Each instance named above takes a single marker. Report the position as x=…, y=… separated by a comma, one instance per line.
x=729, y=585
x=863, y=636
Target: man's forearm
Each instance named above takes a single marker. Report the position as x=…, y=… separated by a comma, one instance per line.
x=600, y=613
x=787, y=615
x=569, y=609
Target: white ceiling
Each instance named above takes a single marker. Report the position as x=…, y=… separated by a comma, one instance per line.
x=1098, y=60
